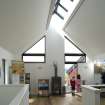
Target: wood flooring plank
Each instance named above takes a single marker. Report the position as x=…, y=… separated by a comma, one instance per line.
x=56, y=100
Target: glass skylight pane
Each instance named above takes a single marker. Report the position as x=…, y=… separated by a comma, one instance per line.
x=39, y=47
x=70, y=6
x=70, y=48
x=66, y=3
x=72, y=58
x=56, y=22
x=33, y=58
x=61, y=11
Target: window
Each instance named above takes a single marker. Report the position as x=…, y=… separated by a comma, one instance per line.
x=65, y=7
x=60, y=10
x=36, y=53
x=73, y=54
x=64, y=10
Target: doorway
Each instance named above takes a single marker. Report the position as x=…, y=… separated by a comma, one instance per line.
x=71, y=70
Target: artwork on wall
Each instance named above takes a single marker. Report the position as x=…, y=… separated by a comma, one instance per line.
x=99, y=68
x=17, y=67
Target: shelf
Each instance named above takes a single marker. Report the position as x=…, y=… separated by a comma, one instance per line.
x=43, y=87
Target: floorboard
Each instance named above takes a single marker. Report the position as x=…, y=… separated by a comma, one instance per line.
x=56, y=100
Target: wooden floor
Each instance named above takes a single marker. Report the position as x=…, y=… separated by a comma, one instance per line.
x=56, y=100
x=102, y=101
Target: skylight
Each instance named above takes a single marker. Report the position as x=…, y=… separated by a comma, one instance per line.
x=66, y=3
x=63, y=10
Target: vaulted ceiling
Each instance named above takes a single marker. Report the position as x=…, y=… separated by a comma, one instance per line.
x=87, y=27
x=21, y=21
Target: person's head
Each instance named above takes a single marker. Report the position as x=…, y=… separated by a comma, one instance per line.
x=73, y=77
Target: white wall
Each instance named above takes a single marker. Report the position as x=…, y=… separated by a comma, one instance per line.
x=54, y=52
x=4, y=54
x=86, y=71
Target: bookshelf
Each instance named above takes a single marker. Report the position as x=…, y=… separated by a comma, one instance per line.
x=43, y=87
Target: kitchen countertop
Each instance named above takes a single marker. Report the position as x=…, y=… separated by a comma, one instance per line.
x=98, y=88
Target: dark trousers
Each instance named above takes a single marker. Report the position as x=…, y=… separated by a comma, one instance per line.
x=73, y=90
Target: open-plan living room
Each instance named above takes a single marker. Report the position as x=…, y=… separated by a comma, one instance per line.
x=52, y=52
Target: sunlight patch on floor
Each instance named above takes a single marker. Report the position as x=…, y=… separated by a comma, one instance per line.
x=31, y=101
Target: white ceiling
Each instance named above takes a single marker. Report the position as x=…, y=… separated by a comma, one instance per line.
x=21, y=21
x=87, y=27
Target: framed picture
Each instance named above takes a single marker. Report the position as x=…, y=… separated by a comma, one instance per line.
x=99, y=68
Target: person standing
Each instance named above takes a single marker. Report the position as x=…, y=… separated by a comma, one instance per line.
x=72, y=82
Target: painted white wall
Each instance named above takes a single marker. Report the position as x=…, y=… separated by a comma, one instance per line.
x=4, y=54
x=54, y=53
x=86, y=71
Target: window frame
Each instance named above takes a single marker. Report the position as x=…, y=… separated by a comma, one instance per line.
x=74, y=54
x=35, y=54
x=58, y=4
